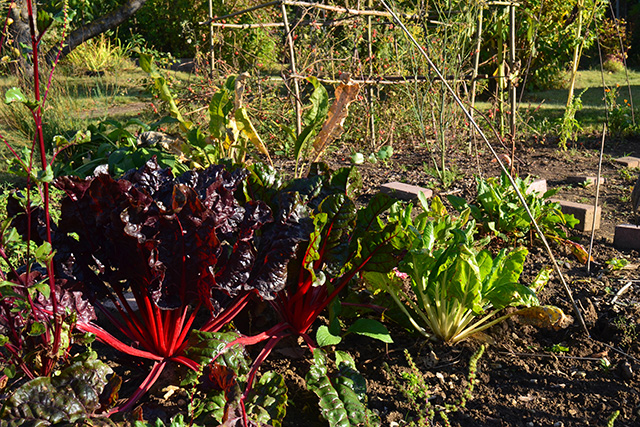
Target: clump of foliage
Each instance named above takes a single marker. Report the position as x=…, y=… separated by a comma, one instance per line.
x=217, y=389
x=342, y=395
x=499, y=212
x=79, y=393
x=457, y=288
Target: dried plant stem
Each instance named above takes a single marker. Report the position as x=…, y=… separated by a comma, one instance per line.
x=502, y=166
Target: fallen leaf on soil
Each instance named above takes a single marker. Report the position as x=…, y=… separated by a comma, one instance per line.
x=545, y=316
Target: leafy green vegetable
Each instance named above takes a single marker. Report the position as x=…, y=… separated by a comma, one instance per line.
x=498, y=210
x=457, y=289
x=79, y=392
x=343, y=396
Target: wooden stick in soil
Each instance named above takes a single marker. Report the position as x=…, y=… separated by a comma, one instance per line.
x=502, y=166
x=292, y=55
x=476, y=66
x=372, y=124
x=623, y=54
x=595, y=202
x=512, y=83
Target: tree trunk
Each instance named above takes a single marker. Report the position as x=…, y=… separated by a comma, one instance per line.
x=20, y=34
x=95, y=28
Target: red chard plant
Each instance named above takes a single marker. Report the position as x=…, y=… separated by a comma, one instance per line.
x=176, y=245
x=341, y=242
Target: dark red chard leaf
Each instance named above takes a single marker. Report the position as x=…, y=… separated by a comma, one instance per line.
x=237, y=267
x=279, y=243
x=341, y=214
x=175, y=240
x=69, y=303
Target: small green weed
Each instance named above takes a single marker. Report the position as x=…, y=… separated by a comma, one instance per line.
x=444, y=177
x=414, y=388
x=569, y=126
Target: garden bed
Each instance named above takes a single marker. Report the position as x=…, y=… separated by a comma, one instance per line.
x=527, y=376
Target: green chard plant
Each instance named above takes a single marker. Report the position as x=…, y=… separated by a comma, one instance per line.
x=498, y=211
x=230, y=129
x=457, y=288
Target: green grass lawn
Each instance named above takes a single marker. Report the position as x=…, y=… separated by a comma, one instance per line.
x=551, y=103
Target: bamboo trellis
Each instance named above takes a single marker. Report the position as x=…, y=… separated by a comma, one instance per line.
x=292, y=78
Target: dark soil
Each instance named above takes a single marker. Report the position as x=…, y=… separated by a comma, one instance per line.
x=521, y=381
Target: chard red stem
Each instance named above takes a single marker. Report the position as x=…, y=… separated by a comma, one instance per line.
x=37, y=115
x=191, y=364
x=214, y=324
x=135, y=329
x=182, y=339
x=160, y=316
x=122, y=327
x=106, y=338
x=147, y=313
x=153, y=376
x=175, y=318
x=21, y=363
x=259, y=360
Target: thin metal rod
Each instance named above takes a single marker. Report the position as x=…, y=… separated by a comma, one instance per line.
x=595, y=203
x=502, y=166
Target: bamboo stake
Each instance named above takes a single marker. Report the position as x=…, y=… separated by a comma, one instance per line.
x=595, y=202
x=512, y=83
x=476, y=65
x=395, y=80
x=247, y=26
x=624, y=62
x=292, y=54
x=213, y=55
x=576, y=55
x=372, y=124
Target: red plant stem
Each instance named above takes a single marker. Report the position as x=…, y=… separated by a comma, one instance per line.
x=261, y=358
x=153, y=376
x=55, y=62
x=187, y=362
x=182, y=339
x=135, y=330
x=272, y=333
x=309, y=341
x=105, y=337
x=37, y=115
x=158, y=332
x=173, y=323
x=16, y=355
x=214, y=325
x=146, y=311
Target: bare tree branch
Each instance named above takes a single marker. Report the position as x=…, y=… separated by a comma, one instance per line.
x=97, y=27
